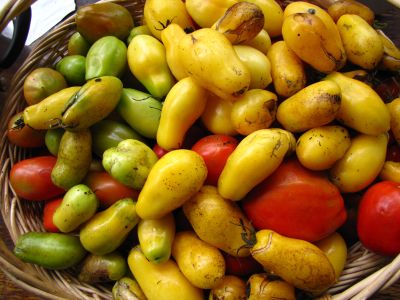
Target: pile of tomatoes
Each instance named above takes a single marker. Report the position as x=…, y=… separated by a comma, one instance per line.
x=216, y=146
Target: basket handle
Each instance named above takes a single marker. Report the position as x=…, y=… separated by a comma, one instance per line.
x=21, y=29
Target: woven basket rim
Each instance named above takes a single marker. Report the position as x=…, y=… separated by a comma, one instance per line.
x=379, y=272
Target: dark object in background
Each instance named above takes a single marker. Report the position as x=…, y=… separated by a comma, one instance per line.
x=21, y=28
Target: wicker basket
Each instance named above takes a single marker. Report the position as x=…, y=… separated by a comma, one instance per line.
x=365, y=273
x=11, y=9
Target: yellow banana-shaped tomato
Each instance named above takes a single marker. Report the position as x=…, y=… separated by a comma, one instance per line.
x=163, y=281
x=255, y=110
x=305, y=7
x=313, y=106
x=319, y=148
x=184, y=104
x=261, y=42
x=361, y=109
x=273, y=14
x=216, y=116
x=232, y=288
x=352, y=7
x=390, y=60
x=209, y=58
x=148, y=63
x=394, y=110
x=206, y=12
x=156, y=237
x=334, y=247
x=217, y=220
x=287, y=69
x=361, y=163
x=170, y=37
x=159, y=13
x=258, y=65
x=267, y=286
x=253, y=160
x=307, y=35
x=127, y=288
x=358, y=36
x=390, y=171
x=241, y=22
x=37, y=116
x=298, y=262
x=201, y=263
x=173, y=180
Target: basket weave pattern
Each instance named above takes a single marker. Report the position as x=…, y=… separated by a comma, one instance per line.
x=22, y=216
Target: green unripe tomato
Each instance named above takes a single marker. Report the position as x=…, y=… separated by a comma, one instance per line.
x=77, y=45
x=103, y=268
x=78, y=205
x=73, y=68
x=53, y=139
x=55, y=251
x=106, y=57
x=130, y=163
x=143, y=29
x=107, y=134
x=141, y=111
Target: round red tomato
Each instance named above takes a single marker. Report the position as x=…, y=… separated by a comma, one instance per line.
x=387, y=89
x=31, y=178
x=378, y=223
x=296, y=202
x=393, y=153
x=215, y=150
x=25, y=137
x=48, y=212
x=241, y=266
x=108, y=189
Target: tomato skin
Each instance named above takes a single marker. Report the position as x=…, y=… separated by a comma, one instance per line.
x=393, y=153
x=48, y=212
x=378, y=214
x=31, y=178
x=215, y=150
x=388, y=89
x=26, y=137
x=296, y=202
x=107, y=189
x=160, y=152
x=241, y=266
x=193, y=135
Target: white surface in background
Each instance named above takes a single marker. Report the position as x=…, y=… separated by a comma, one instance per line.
x=45, y=15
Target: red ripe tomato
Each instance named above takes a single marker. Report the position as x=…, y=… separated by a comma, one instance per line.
x=107, y=189
x=296, y=202
x=387, y=89
x=160, y=152
x=378, y=223
x=26, y=137
x=241, y=266
x=31, y=178
x=393, y=153
x=392, y=139
x=48, y=212
x=215, y=150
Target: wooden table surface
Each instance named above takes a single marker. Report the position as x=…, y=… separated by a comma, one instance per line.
x=9, y=290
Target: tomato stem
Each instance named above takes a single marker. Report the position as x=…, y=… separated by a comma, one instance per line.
x=18, y=124
x=377, y=25
x=249, y=238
